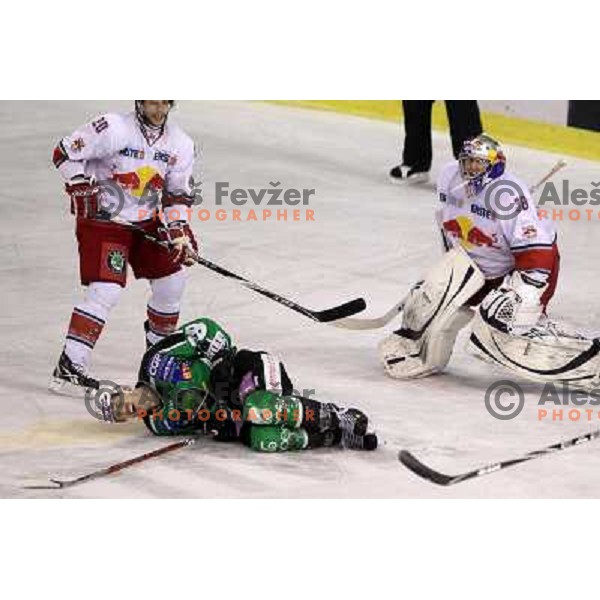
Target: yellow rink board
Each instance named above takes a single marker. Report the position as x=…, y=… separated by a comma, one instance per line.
x=509, y=130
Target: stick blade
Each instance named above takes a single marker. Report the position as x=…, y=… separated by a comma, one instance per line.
x=51, y=485
x=340, y=312
x=411, y=462
x=375, y=323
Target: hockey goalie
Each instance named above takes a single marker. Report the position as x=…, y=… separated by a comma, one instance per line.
x=498, y=275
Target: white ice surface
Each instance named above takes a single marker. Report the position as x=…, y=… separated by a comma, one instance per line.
x=370, y=238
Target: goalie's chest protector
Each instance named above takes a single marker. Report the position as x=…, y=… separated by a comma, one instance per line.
x=469, y=223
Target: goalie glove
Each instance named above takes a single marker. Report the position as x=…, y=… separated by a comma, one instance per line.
x=515, y=307
x=84, y=193
x=183, y=244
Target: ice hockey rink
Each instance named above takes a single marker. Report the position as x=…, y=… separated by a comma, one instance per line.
x=370, y=238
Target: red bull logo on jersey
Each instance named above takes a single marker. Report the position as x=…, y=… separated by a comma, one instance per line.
x=469, y=235
x=141, y=181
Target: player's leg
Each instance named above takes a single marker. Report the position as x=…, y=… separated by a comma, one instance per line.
x=103, y=254
x=167, y=282
x=552, y=280
x=465, y=122
x=417, y=153
x=274, y=438
x=279, y=438
x=417, y=150
x=322, y=424
x=163, y=306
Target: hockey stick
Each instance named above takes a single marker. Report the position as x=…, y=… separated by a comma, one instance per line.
x=553, y=171
x=391, y=314
x=64, y=483
x=321, y=316
x=376, y=323
x=422, y=470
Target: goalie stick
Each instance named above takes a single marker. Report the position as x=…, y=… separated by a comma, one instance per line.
x=553, y=171
x=64, y=483
x=321, y=316
x=410, y=461
x=392, y=313
x=376, y=323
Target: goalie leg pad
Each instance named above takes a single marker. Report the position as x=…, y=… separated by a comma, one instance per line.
x=433, y=316
x=401, y=358
x=545, y=354
x=441, y=338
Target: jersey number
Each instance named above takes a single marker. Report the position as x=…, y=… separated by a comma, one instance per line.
x=100, y=125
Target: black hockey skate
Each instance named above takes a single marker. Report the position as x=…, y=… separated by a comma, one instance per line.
x=353, y=421
x=335, y=426
x=359, y=442
x=149, y=344
x=353, y=425
x=69, y=378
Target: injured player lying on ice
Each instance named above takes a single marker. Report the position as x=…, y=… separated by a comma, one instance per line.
x=196, y=381
x=499, y=274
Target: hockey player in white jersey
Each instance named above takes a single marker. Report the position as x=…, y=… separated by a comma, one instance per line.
x=503, y=258
x=128, y=167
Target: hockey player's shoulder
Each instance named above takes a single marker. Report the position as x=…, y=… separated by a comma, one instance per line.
x=515, y=183
x=111, y=128
x=109, y=122
x=180, y=139
x=447, y=172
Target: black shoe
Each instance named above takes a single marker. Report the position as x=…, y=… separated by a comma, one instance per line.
x=396, y=172
x=67, y=372
x=411, y=175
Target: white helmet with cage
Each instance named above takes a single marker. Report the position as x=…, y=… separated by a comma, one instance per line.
x=481, y=160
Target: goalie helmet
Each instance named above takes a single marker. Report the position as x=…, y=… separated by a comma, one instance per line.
x=481, y=160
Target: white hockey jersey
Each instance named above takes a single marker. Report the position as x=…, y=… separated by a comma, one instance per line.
x=500, y=236
x=141, y=176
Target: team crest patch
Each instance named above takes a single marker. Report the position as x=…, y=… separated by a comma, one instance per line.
x=115, y=261
x=77, y=145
